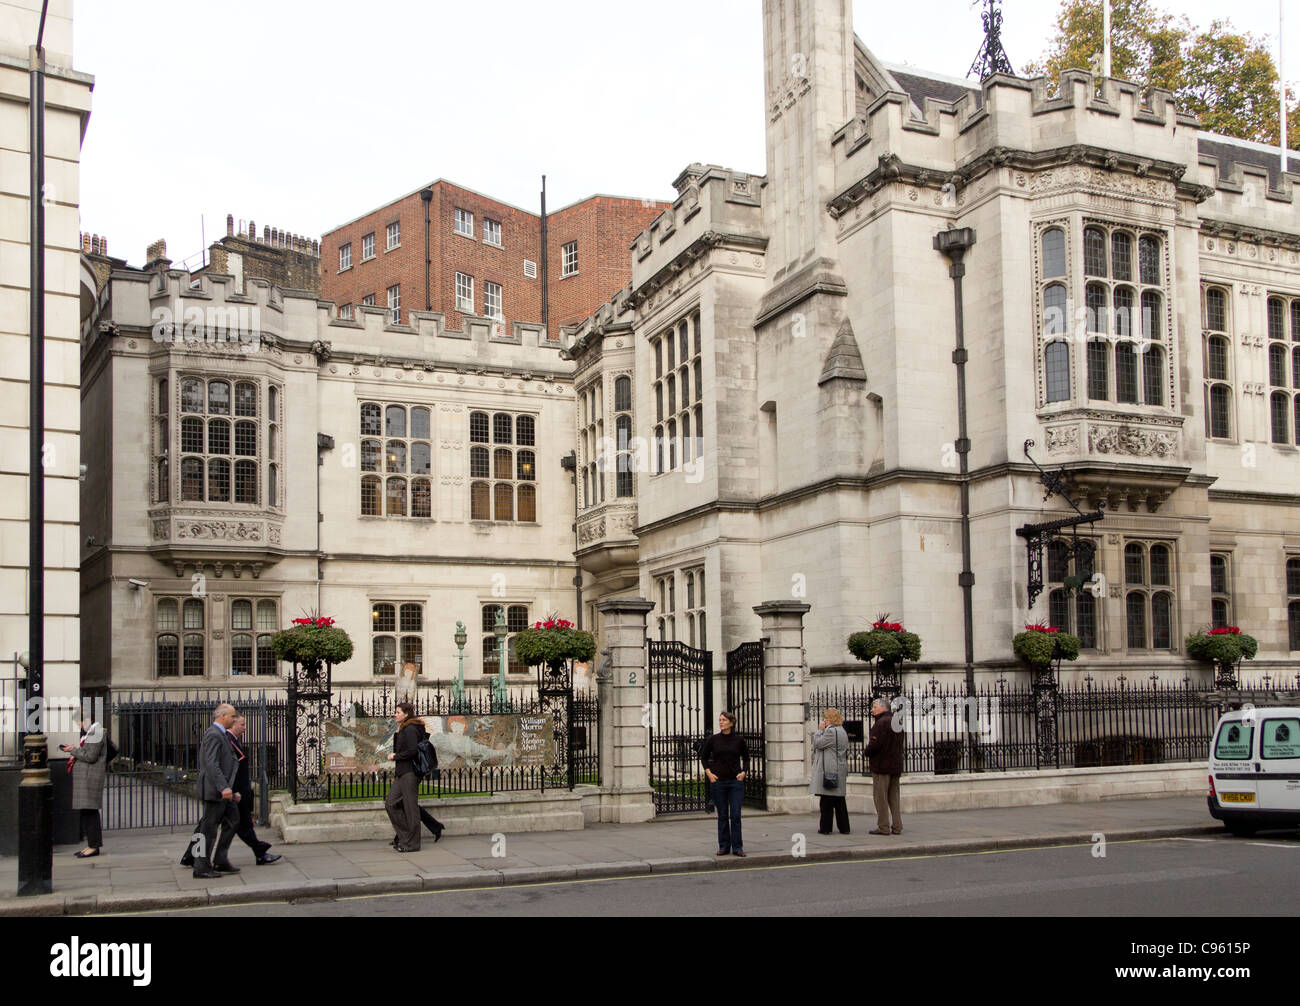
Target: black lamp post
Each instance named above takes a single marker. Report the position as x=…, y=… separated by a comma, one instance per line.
x=35, y=790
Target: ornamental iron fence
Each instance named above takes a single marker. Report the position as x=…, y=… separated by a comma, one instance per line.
x=153, y=781
x=1008, y=726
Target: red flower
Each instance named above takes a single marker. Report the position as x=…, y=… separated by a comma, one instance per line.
x=1226, y=630
x=888, y=626
x=1039, y=627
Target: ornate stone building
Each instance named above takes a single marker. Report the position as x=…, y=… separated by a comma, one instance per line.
x=269, y=459
x=822, y=383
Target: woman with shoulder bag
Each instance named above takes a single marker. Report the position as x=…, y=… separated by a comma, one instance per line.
x=829, y=775
x=403, y=799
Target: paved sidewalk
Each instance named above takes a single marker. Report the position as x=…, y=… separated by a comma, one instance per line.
x=139, y=870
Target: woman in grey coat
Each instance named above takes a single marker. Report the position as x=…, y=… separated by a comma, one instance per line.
x=830, y=758
x=88, y=763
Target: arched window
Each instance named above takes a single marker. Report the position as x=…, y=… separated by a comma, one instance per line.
x=370, y=452
x=273, y=404
x=1094, y=252
x=525, y=466
x=272, y=485
x=192, y=397
x=1054, y=308
x=219, y=481
x=395, y=456
x=1160, y=565
x=420, y=423
x=192, y=435
x=1151, y=327
x=394, y=421
x=1277, y=365
x=1121, y=256
x=1098, y=369
x=528, y=503
x=241, y=653
x=421, y=459
x=1276, y=318
x=395, y=497
x=370, y=496
x=219, y=398
x=687, y=445
x=1135, y=570
x=192, y=656
x=1153, y=375
x=371, y=419
x=1216, y=358
x=245, y=481
x=1136, y=611
x=502, y=464
x=245, y=399
x=1149, y=260
x=1161, y=620
x=191, y=480
x=478, y=428
x=1220, y=411
x=421, y=498
x=1126, y=373
x=1053, y=253
x=479, y=501
x=1216, y=310
x=622, y=394
x=1279, y=412
x=1123, y=317
x=218, y=435
x=164, y=481
x=503, y=498
x=525, y=435
x=1095, y=302
x=168, y=655
x=502, y=428
x=246, y=439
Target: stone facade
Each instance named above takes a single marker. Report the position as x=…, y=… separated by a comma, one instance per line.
x=69, y=304
x=1128, y=306
x=225, y=446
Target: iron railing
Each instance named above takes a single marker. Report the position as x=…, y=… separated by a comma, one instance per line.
x=1119, y=722
x=153, y=780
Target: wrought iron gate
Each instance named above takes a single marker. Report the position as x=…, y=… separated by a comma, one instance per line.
x=745, y=699
x=680, y=688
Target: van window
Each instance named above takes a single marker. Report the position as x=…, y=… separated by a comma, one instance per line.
x=1235, y=740
x=1281, y=739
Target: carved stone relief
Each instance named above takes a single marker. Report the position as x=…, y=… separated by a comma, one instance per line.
x=210, y=530
x=1142, y=443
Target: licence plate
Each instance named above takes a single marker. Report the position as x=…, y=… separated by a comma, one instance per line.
x=1236, y=797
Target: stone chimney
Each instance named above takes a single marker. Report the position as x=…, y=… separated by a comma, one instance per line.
x=156, y=259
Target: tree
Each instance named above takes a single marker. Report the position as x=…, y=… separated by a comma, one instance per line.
x=1228, y=79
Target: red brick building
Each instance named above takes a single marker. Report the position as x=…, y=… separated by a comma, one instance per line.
x=484, y=257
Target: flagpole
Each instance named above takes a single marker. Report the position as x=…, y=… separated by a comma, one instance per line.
x=1105, y=41
x=1281, y=73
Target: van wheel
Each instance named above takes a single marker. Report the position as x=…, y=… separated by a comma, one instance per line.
x=1242, y=830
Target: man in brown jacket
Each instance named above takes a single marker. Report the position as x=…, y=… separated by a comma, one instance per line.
x=885, y=762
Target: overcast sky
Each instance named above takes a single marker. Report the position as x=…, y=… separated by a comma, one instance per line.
x=303, y=114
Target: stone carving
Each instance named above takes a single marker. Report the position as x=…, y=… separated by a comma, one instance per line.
x=591, y=531
x=1136, y=442
x=161, y=529
x=1062, y=439
x=212, y=530
x=273, y=533
x=1116, y=590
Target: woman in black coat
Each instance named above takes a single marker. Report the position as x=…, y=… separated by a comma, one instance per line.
x=403, y=802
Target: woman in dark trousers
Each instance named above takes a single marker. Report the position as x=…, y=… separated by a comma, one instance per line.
x=91, y=765
x=725, y=758
x=403, y=801
x=830, y=749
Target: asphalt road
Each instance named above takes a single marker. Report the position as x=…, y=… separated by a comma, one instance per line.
x=1175, y=877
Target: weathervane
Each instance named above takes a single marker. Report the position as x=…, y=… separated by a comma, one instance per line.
x=991, y=58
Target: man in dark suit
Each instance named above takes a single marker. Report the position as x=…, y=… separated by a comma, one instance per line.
x=218, y=766
x=244, y=794
x=243, y=801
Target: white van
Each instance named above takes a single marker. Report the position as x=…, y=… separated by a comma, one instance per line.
x=1255, y=769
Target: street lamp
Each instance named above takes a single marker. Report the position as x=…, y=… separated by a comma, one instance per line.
x=458, y=689
x=500, y=703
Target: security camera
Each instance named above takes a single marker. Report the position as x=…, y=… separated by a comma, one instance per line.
x=137, y=584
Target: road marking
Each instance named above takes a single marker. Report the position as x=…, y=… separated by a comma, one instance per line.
x=1198, y=840
x=679, y=873
x=1273, y=845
